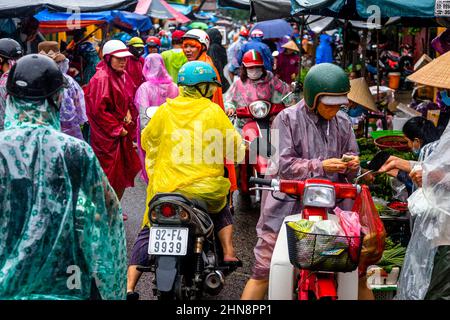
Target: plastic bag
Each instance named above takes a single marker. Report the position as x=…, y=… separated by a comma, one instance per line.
x=327, y=227
x=372, y=227
x=349, y=222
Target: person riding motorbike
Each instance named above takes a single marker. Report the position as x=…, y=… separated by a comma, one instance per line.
x=10, y=51
x=314, y=135
x=233, y=50
x=255, y=83
x=153, y=45
x=135, y=63
x=256, y=43
x=65, y=237
x=167, y=141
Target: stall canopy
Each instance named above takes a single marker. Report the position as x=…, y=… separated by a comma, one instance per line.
x=234, y=4
x=24, y=8
x=160, y=9
x=366, y=8
x=50, y=22
x=270, y=9
x=183, y=9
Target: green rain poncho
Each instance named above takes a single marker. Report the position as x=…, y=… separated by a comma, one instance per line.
x=61, y=228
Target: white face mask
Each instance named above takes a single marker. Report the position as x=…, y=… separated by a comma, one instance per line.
x=254, y=74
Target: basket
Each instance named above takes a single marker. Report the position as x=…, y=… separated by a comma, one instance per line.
x=392, y=142
x=384, y=133
x=319, y=252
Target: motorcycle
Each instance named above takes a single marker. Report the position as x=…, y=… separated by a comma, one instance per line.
x=324, y=272
x=257, y=133
x=185, y=254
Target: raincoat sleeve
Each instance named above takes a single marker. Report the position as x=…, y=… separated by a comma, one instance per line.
x=291, y=164
x=103, y=236
x=229, y=97
x=99, y=102
x=234, y=147
x=280, y=89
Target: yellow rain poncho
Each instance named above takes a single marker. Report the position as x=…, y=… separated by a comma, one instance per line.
x=186, y=142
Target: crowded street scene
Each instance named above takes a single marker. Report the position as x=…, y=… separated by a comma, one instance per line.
x=251, y=150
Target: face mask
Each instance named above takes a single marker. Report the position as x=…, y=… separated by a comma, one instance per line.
x=415, y=151
x=137, y=52
x=254, y=74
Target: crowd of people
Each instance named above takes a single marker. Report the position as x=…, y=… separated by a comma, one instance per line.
x=69, y=149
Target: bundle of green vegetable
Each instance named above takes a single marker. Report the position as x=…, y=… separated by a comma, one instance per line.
x=393, y=256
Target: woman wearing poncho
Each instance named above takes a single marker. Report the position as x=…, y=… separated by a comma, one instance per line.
x=110, y=109
x=62, y=231
x=152, y=93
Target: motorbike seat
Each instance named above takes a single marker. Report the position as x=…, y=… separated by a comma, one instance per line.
x=198, y=203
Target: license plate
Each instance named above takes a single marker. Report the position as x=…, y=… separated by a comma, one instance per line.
x=168, y=241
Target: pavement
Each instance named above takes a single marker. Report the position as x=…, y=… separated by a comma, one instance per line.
x=133, y=203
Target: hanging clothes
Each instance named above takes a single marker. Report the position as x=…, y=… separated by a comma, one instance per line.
x=109, y=97
x=58, y=213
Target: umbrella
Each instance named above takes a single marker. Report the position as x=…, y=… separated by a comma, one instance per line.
x=198, y=25
x=273, y=29
x=160, y=9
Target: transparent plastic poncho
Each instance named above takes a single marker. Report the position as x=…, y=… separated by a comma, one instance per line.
x=61, y=228
x=430, y=210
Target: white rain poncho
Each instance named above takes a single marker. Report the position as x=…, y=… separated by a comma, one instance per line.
x=430, y=208
x=61, y=227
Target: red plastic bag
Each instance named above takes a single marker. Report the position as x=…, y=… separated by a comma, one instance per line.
x=372, y=227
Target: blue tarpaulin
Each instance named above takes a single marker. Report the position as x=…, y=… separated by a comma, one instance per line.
x=127, y=19
x=368, y=8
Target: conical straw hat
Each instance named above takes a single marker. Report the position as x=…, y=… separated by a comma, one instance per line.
x=291, y=45
x=360, y=93
x=434, y=74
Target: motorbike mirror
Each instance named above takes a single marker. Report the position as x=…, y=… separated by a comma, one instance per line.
x=378, y=160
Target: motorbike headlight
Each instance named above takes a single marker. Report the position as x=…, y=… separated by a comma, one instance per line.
x=259, y=109
x=322, y=196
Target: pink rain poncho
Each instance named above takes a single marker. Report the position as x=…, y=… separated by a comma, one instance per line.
x=305, y=140
x=152, y=93
x=269, y=88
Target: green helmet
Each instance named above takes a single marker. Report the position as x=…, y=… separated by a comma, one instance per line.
x=324, y=79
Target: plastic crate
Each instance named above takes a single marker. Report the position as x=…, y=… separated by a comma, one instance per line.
x=319, y=252
x=384, y=133
x=384, y=294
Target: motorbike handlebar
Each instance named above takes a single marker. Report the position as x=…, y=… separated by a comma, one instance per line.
x=263, y=182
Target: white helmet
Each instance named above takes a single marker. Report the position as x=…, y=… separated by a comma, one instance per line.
x=256, y=33
x=116, y=48
x=199, y=35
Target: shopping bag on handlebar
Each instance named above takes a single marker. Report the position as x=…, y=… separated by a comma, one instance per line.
x=372, y=227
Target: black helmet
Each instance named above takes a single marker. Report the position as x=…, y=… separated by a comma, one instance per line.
x=35, y=77
x=10, y=49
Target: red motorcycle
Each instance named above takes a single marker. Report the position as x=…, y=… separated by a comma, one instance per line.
x=256, y=132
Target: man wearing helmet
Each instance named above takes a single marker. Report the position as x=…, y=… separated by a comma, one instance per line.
x=62, y=215
x=314, y=135
x=153, y=45
x=10, y=51
x=183, y=116
x=135, y=63
x=195, y=46
x=257, y=44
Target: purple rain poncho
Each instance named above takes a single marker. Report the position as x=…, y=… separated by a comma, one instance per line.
x=73, y=107
x=154, y=92
x=305, y=140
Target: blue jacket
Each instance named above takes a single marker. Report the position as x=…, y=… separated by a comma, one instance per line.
x=324, y=51
x=262, y=48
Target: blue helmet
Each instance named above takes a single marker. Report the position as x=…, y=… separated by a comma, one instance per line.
x=196, y=72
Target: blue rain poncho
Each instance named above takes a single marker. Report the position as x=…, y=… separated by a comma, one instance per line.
x=61, y=228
